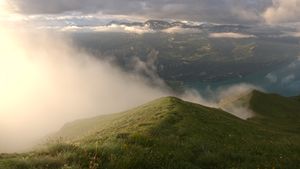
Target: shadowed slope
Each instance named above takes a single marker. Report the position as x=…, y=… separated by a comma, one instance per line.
x=276, y=112
x=296, y=98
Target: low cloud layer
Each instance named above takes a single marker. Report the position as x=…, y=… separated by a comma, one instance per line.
x=46, y=81
x=232, y=35
x=272, y=78
x=109, y=28
x=126, y=29
x=235, y=99
x=178, y=29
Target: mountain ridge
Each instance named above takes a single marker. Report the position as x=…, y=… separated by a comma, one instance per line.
x=251, y=100
x=170, y=133
x=159, y=25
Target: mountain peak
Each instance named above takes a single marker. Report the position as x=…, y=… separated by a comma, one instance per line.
x=158, y=24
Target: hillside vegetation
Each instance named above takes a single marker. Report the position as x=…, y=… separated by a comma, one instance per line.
x=169, y=133
x=276, y=112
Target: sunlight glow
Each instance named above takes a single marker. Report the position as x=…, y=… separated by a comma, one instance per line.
x=19, y=76
x=3, y=7
x=8, y=12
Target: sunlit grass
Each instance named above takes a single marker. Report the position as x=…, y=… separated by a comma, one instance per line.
x=170, y=134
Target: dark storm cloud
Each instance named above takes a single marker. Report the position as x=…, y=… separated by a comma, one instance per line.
x=229, y=11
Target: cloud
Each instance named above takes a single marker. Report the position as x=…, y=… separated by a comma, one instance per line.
x=292, y=65
x=47, y=81
x=294, y=34
x=272, y=78
x=288, y=79
x=230, y=35
x=123, y=28
x=235, y=99
x=120, y=28
x=220, y=11
x=225, y=11
x=178, y=29
x=110, y=28
x=283, y=11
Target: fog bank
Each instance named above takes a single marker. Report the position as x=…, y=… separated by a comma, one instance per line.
x=46, y=81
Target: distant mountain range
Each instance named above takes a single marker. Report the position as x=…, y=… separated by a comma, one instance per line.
x=170, y=133
x=158, y=25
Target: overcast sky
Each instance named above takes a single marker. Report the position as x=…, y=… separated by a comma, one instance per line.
x=220, y=11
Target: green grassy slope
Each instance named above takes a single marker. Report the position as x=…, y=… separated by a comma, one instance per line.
x=276, y=112
x=296, y=98
x=167, y=133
